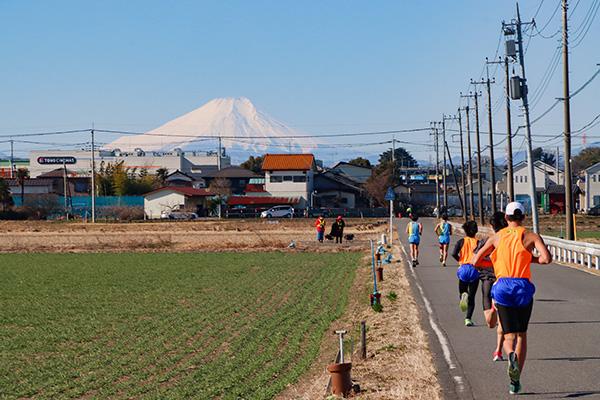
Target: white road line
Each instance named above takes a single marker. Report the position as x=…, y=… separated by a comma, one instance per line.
x=444, y=344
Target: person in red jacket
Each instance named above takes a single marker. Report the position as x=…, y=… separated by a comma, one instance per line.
x=320, y=225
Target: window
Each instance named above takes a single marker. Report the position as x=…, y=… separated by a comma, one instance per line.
x=276, y=179
x=81, y=187
x=596, y=200
x=525, y=178
x=593, y=178
x=288, y=178
x=299, y=179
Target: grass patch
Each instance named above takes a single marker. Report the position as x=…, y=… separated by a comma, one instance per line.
x=392, y=296
x=165, y=325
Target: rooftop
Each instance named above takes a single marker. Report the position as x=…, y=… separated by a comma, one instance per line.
x=288, y=162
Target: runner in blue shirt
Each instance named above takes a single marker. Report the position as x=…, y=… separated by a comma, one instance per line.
x=414, y=230
x=443, y=229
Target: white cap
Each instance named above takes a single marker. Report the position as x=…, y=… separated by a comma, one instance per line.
x=514, y=206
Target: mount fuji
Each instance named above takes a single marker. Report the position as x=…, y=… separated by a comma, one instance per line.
x=240, y=125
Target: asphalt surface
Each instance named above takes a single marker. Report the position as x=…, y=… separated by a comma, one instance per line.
x=563, y=358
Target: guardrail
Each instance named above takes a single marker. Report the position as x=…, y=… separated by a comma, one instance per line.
x=562, y=250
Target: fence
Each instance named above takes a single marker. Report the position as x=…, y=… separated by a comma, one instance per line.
x=562, y=250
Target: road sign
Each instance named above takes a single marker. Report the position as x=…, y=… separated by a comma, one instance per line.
x=390, y=195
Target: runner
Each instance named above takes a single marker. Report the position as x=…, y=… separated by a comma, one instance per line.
x=414, y=230
x=487, y=278
x=443, y=229
x=468, y=275
x=511, y=253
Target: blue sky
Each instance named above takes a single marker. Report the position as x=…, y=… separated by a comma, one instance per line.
x=335, y=66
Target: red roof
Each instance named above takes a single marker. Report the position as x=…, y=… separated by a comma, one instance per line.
x=288, y=162
x=261, y=200
x=184, y=190
x=254, y=188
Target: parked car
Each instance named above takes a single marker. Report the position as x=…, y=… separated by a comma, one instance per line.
x=278, y=212
x=594, y=210
x=178, y=215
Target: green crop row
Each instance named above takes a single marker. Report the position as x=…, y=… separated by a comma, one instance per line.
x=211, y=325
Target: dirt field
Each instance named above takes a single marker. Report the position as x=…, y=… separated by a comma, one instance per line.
x=206, y=235
x=399, y=364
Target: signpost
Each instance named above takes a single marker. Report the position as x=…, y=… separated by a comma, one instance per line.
x=391, y=196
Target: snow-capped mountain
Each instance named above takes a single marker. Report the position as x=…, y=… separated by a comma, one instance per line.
x=240, y=125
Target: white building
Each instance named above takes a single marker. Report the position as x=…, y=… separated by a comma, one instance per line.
x=290, y=175
x=168, y=199
x=80, y=161
x=545, y=176
x=591, y=187
x=356, y=173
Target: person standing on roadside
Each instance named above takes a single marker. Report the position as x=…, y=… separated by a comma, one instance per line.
x=337, y=229
x=320, y=226
x=511, y=253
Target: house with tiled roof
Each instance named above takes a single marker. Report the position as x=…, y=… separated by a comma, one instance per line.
x=290, y=175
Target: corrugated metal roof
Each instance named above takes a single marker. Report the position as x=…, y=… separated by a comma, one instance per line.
x=261, y=200
x=288, y=162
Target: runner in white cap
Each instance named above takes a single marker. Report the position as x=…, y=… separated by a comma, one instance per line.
x=511, y=254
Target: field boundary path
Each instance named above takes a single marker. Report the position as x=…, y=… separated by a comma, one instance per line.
x=564, y=334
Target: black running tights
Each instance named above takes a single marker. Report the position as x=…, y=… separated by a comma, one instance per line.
x=471, y=290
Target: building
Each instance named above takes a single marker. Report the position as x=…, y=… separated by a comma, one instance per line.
x=167, y=199
x=238, y=178
x=335, y=190
x=290, y=175
x=66, y=179
x=590, y=196
x=79, y=161
x=354, y=172
x=545, y=176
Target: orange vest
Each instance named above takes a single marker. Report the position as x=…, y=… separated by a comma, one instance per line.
x=467, y=251
x=510, y=258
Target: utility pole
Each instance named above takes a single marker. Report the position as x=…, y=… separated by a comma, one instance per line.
x=394, y=160
x=510, y=180
x=478, y=144
x=65, y=185
x=556, y=165
x=93, y=178
x=437, y=164
x=444, y=167
x=488, y=83
x=570, y=229
x=462, y=168
x=519, y=86
x=470, y=165
x=460, y=197
x=12, y=159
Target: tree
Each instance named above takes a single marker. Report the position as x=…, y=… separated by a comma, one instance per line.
x=403, y=158
x=161, y=176
x=221, y=187
x=360, y=162
x=22, y=176
x=6, y=199
x=378, y=184
x=254, y=164
x=586, y=158
x=543, y=156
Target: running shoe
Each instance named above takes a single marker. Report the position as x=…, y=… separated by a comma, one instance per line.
x=497, y=356
x=443, y=264
x=416, y=262
x=514, y=387
x=463, y=304
x=468, y=322
x=513, y=368
x=441, y=258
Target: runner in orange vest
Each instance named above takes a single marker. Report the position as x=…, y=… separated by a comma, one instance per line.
x=511, y=253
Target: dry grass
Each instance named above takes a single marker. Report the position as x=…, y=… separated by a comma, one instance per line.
x=399, y=364
x=211, y=235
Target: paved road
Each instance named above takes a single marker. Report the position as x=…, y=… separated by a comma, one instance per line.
x=564, y=333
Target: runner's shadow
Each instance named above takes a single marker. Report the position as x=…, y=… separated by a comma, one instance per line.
x=566, y=358
x=551, y=300
x=564, y=395
x=562, y=322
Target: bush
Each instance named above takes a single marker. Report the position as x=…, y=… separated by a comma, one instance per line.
x=13, y=215
x=121, y=213
x=41, y=206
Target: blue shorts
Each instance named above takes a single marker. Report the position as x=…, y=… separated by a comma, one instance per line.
x=444, y=239
x=513, y=292
x=414, y=239
x=467, y=273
